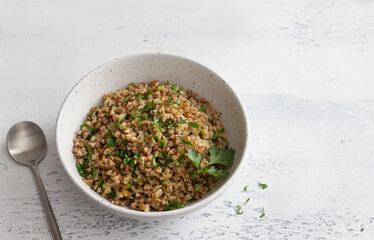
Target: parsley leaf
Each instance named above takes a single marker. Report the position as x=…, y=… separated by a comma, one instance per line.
x=173, y=205
x=262, y=185
x=182, y=121
x=224, y=156
x=112, y=140
x=212, y=170
x=201, y=110
x=245, y=188
x=118, y=125
x=195, y=157
x=192, y=124
x=262, y=215
x=247, y=200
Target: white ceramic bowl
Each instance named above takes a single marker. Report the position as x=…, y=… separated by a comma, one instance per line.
x=117, y=74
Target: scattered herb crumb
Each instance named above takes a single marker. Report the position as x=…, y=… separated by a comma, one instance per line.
x=239, y=210
x=245, y=188
x=362, y=229
x=262, y=215
x=247, y=200
x=262, y=185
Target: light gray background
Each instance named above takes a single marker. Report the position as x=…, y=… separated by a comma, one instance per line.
x=304, y=70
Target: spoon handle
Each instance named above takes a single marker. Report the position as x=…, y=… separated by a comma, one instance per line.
x=47, y=206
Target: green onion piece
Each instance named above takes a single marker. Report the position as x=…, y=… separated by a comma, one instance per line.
x=202, y=110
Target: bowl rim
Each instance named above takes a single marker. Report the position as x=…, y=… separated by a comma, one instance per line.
x=139, y=214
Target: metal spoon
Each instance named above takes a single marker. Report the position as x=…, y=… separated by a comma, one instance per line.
x=27, y=145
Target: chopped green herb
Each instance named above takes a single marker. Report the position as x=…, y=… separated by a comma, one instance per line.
x=185, y=141
x=154, y=162
x=174, y=87
x=239, y=210
x=178, y=102
x=91, y=129
x=93, y=172
x=262, y=185
x=173, y=205
x=202, y=109
x=202, y=132
x=128, y=185
x=89, y=155
x=163, y=143
x=180, y=92
x=158, y=137
x=107, y=103
x=112, y=194
x=262, y=215
x=216, y=135
x=162, y=181
x=128, y=161
x=148, y=105
x=192, y=124
x=182, y=121
x=126, y=99
x=132, y=113
x=247, y=201
x=197, y=188
x=132, y=83
x=81, y=169
x=245, y=188
x=172, y=124
x=114, y=93
x=118, y=125
x=362, y=229
x=169, y=101
x=181, y=158
x=148, y=93
x=112, y=140
x=100, y=182
x=148, y=179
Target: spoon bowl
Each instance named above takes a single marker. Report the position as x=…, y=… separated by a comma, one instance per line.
x=27, y=145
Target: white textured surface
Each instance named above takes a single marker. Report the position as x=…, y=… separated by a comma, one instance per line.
x=304, y=70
